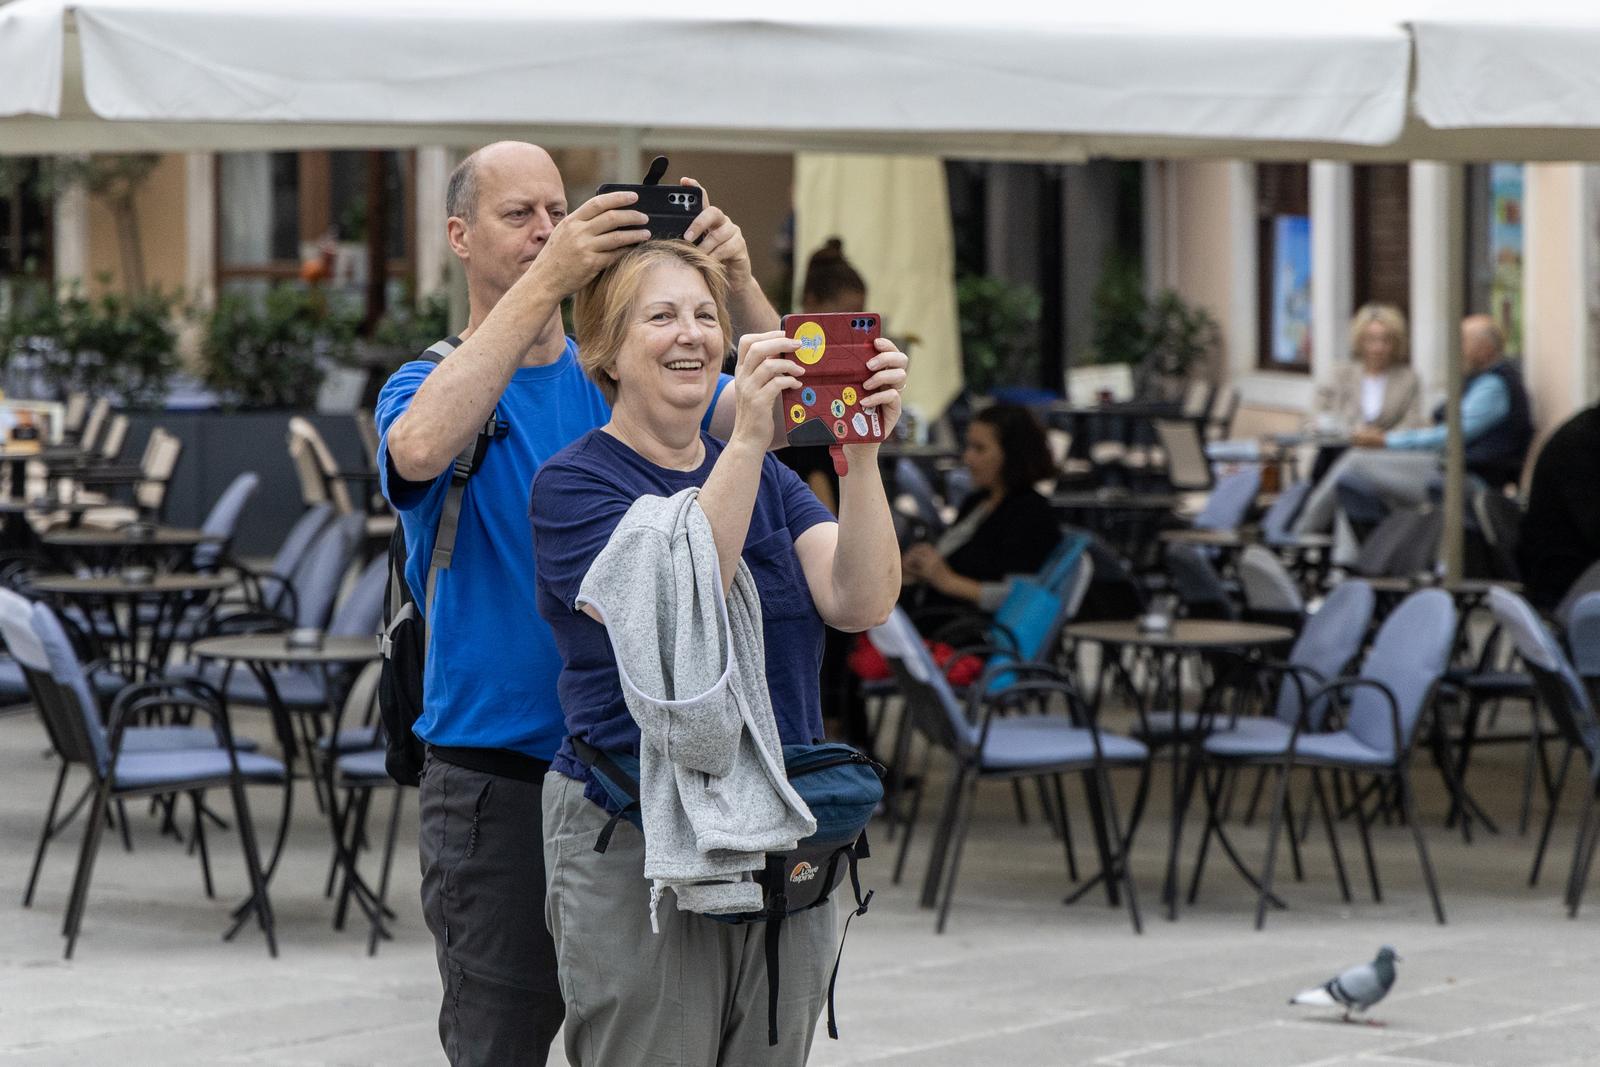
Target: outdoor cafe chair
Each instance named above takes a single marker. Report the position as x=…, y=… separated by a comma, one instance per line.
x=1278, y=519
x=1327, y=644
x=31, y=664
x=1230, y=500
x=118, y=772
x=1568, y=701
x=984, y=744
x=360, y=774
x=269, y=584
x=321, y=480
x=1026, y=628
x=222, y=521
x=94, y=424
x=1583, y=636
x=150, y=482
x=1200, y=589
x=1499, y=521
x=1269, y=591
x=1188, y=469
x=302, y=595
x=73, y=414
x=305, y=691
x=1384, y=704
x=1586, y=583
x=910, y=481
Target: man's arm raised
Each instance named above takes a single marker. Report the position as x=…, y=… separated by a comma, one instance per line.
x=720, y=238
x=723, y=241
x=458, y=396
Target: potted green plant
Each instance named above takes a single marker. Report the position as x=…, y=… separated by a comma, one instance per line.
x=408, y=328
x=273, y=352
x=999, y=323
x=125, y=345
x=1163, y=338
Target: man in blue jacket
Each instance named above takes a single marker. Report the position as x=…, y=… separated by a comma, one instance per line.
x=491, y=719
x=1397, y=468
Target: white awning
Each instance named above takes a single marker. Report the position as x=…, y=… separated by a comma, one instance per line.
x=1529, y=65
x=999, y=79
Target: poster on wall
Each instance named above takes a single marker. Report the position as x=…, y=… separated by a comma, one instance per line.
x=1291, y=290
x=1505, y=250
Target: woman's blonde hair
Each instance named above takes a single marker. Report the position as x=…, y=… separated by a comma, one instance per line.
x=1391, y=318
x=601, y=313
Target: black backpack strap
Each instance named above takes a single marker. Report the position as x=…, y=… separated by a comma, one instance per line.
x=596, y=760
x=777, y=910
x=465, y=466
x=857, y=852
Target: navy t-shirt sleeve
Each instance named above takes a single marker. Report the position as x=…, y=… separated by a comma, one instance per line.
x=801, y=508
x=574, y=512
x=393, y=401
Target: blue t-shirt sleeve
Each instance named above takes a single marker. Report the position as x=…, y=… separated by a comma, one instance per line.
x=723, y=381
x=393, y=401
x=574, y=513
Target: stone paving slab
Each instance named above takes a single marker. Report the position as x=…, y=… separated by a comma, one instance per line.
x=1018, y=979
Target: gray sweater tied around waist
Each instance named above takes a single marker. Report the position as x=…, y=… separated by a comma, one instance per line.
x=713, y=795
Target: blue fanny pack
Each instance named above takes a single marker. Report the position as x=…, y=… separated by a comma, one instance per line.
x=839, y=783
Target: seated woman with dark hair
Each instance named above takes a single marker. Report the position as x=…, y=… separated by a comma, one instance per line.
x=1004, y=527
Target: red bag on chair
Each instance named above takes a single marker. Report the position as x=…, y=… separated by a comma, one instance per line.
x=868, y=664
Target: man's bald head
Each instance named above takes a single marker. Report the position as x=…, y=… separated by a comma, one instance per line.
x=1482, y=342
x=491, y=161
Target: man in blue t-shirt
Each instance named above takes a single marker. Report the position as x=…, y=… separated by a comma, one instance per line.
x=491, y=717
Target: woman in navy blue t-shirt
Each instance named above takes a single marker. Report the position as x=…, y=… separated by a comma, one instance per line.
x=653, y=330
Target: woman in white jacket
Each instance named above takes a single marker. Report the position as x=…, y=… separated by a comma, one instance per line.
x=653, y=333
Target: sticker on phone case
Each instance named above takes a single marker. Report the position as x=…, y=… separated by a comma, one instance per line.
x=849, y=395
x=812, y=342
x=838, y=428
x=860, y=423
x=808, y=396
x=837, y=407
x=797, y=413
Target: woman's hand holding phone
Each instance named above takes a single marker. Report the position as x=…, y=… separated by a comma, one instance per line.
x=763, y=371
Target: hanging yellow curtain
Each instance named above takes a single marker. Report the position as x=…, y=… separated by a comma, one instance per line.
x=893, y=214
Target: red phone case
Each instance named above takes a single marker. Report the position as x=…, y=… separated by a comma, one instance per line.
x=827, y=409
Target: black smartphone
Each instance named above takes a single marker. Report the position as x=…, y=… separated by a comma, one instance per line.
x=671, y=207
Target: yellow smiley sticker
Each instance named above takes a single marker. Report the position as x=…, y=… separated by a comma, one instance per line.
x=798, y=413
x=849, y=395
x=812, y=342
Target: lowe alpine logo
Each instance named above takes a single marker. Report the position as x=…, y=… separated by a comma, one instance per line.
x=803, y=872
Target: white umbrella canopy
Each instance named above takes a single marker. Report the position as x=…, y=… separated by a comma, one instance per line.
x=1001, y=79
x=1529, y=65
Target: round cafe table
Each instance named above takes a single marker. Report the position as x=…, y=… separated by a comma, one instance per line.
x=260, y=654
x=159, y=546
x=1126, y=519
x=137, y=643
x=1182, y=638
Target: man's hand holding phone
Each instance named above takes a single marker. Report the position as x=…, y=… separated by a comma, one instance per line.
x=587, y=241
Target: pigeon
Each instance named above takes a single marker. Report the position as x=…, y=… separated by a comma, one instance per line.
x=1357, y=988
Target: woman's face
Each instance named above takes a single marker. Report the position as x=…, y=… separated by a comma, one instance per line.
x=673, y=351
x=983, y=456
x=1376, y=346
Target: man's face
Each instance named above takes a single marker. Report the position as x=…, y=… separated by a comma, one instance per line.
x=520, y=200
x=1477, y=349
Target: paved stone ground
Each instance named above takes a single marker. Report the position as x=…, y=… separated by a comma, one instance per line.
x=1018, y=979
